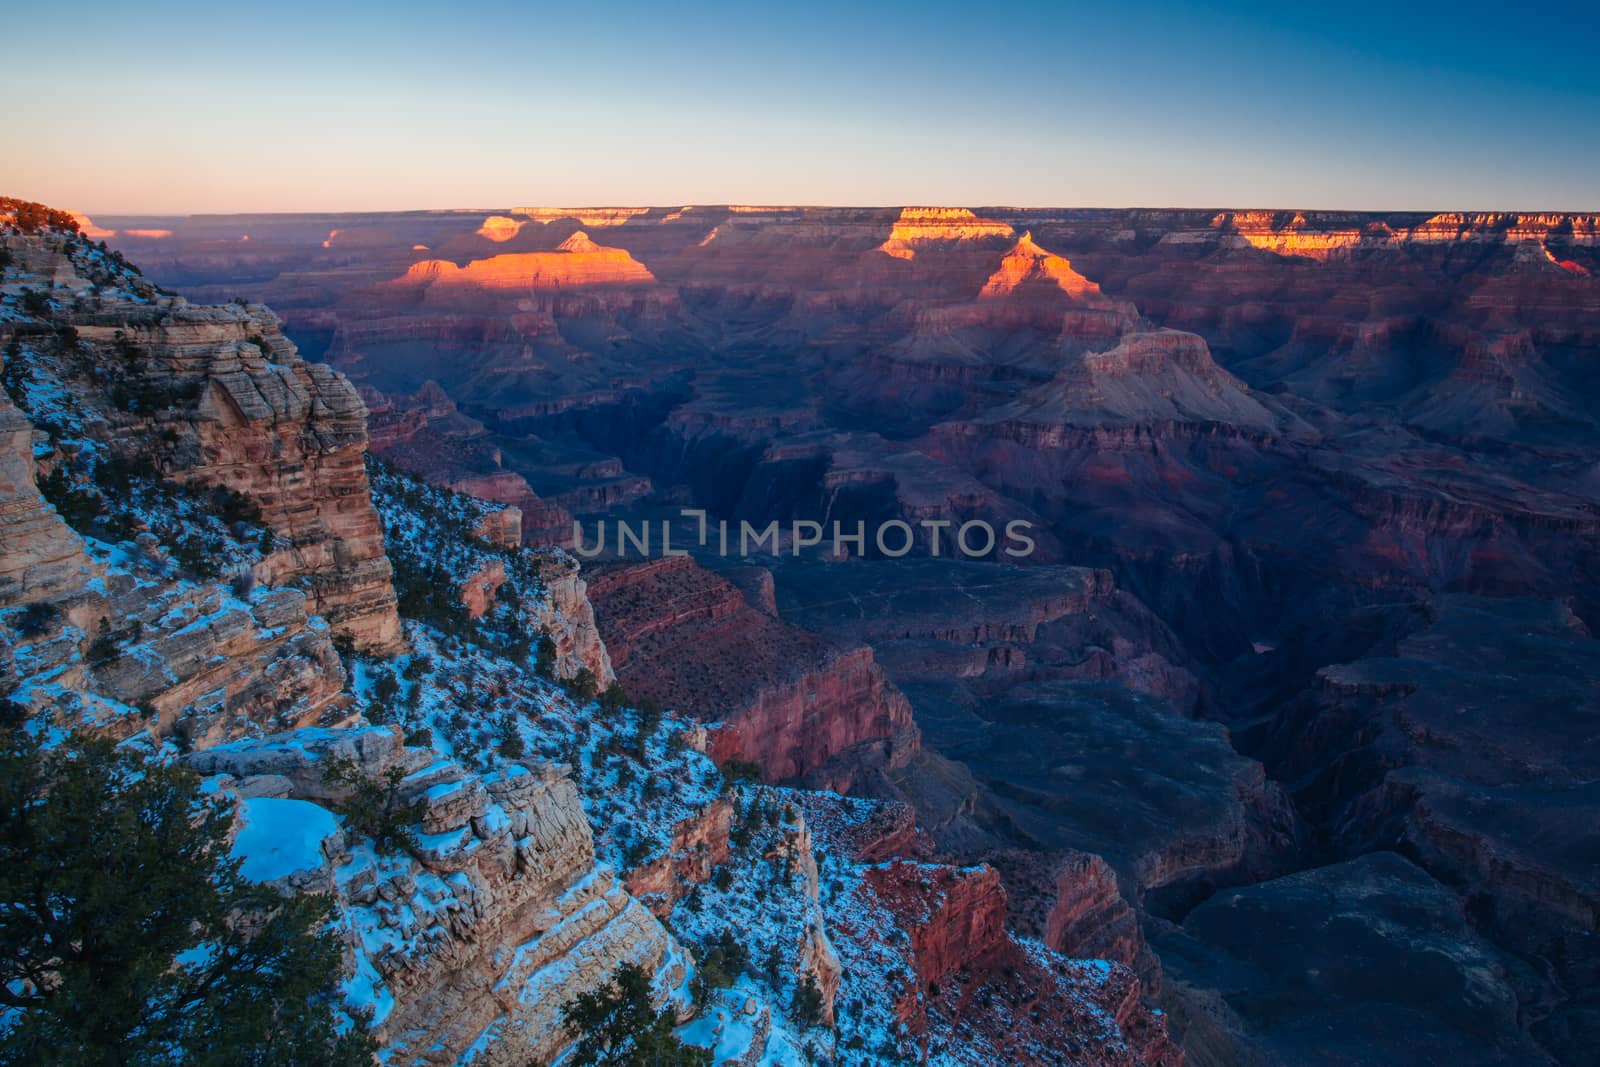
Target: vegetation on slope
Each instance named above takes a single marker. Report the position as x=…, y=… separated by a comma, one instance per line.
x=129, y=936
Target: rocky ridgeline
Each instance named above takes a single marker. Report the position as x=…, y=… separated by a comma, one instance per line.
x=198, y=560
x=214, y=397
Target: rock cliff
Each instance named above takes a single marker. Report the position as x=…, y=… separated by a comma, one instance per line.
x=476, y=939
x=42, y=558
x=577, y=261
x=217, y=398
x=793, y=705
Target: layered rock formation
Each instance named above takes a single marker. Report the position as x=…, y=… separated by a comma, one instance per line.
x=566, y=613
x=1159, y=377
x=1029, y=266
x=290, y=436
x=1005, y=1000
x=40, y=558
x=577, y=261
x=476, y=939
x=697, y=846
x=593, y=217
x=209, y=668
x=790, y=703
x=919, y=227
x=224, y=401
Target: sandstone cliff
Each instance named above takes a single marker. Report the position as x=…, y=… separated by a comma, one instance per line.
x=216, y=397
x=577, y=261
x=789, y=703
x=476, y=939
x=40, y=558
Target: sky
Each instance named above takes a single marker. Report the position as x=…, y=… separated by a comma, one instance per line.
x=184, y=107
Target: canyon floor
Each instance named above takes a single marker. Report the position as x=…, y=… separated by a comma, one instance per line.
x=1289, y=716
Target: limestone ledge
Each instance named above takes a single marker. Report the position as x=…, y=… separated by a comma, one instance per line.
x=495, y=918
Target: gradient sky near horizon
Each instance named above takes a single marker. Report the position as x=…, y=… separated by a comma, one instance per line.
x=158, y=107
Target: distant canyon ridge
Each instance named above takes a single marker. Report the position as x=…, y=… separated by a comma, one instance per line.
x=1306, y=641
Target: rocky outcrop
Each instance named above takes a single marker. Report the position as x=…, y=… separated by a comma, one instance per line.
x=1072, y=903
x=290, y=437
x=838, y=719
x=962, y=917
x=1159, y=377
x=501, y=528
x=40, y=558
x=475, y=939
x=499, y=228
x=540, y=521
x=1028, y=265
x=239, y=410
x=918, y=227
x=697, y=845
x=566, y=612
x=592, y=217
x=124, y=642
x=577, y=261
x=789, y=703
x=478, y=591
x=998, y=999
x=209, y=667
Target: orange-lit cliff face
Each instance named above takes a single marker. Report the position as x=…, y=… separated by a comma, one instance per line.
x=1028, y=264
x=591, y=217
x=499, y=228
x=1321, y=235
x=576, y=262
x=923, y=227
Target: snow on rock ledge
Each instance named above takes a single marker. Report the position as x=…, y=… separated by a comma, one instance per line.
x=472, y=939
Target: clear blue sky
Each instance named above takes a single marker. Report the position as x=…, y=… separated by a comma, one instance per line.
x=187, y=107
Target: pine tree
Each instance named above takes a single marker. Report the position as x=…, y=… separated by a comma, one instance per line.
x=616, y=1026
x=127, y=935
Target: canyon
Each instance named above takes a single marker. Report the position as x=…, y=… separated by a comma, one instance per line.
x=203, y=563
x=1308, y=616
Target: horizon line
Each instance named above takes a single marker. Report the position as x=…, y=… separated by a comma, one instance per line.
x=971, y=206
